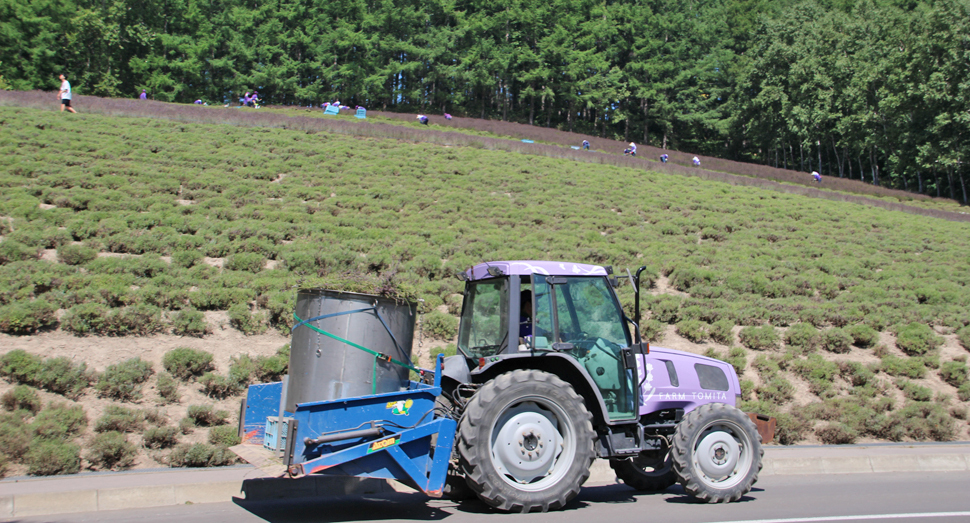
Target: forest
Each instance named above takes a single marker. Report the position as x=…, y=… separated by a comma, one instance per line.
x=877, y=90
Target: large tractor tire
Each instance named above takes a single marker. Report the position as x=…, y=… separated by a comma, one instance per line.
x=647, y=472
x=717, y=453
x=525, y=442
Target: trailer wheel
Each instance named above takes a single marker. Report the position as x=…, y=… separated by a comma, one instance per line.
x=526, y=442
x=648, y=472
x=717, y=453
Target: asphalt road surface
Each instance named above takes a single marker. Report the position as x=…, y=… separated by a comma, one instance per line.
x=896, y=498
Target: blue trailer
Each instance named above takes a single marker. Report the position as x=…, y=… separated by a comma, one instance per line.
x=394, y=435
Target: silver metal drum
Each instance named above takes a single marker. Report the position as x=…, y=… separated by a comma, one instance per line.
x=322, y=368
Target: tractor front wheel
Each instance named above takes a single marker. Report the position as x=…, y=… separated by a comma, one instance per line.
x=526, y=442
x=717, y=453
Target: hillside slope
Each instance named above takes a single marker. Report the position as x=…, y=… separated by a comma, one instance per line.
x=849, y=322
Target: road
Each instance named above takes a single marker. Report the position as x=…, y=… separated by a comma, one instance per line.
x=896, y=498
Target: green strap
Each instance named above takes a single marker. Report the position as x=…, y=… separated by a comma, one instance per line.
x=377, y=355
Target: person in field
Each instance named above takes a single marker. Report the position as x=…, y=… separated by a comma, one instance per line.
x=143, y=95
x=423, y=119
x=663, y=158
x=817, y=177
x=585, y=145
x=65, y=95
x=631, y=150
x=697, y=162
x=447, y=116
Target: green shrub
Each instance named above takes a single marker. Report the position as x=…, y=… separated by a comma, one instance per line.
x=666, y=309
x=738, y=358
x=119, y=419
x=765, y=366
x=60, y=375
x=447, y=351
x=693, y=330
x=186, y=425
x=15, y=436
x=759, y=338
x=21, y=366
x=963, y=334
x=160, y=437
x=246, y=322
x=653, y=330
x=915, y=339
x=185, y=362
x=123, y=381
x=112, y=451
x=48, y=458
x=856, y=373
x=218, y=386
x=225, y=436
x=94, y=318
x=75, y=254
x=168, y=388
x=189, y=322
x=863, y=336
x=245, y=261
x=803, y=336
x=836, y=340
x=914, y=391
x=747, y=388
x=4, y=464
x=200, y=455
x=963, y=391
x=26, y=317
x=135, y=320
x=954, y=372
x=59, y=422
x=14, y=251
x=776, y=390
x=21, y=397
x=817, y=371
x=836, y=433
x=86, y=318
x=721, y=332
x=439, y=325
x=186, y=258
x=919, y=421
x=205, y=416
x=271, y=368
x=908, y=367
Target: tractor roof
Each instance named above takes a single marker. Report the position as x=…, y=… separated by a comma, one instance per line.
x=527, y=267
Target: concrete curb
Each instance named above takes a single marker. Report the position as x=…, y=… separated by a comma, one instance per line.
x=127, y=490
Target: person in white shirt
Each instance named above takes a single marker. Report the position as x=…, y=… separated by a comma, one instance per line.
x=65, y=95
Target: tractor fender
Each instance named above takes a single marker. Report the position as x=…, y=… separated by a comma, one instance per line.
x=456, y=368
x=567, y=368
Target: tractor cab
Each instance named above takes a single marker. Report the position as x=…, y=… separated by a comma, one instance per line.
x=516, y=309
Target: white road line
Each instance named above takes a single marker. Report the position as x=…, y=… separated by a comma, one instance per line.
x=916, y=515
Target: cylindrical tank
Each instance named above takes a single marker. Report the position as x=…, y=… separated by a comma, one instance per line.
x=323, y=368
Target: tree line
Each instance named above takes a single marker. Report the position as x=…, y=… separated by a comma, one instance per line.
x=870, y=89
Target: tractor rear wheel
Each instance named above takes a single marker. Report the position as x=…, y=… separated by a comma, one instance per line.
x=647, y=472
x=717, y=453
x=525, y=442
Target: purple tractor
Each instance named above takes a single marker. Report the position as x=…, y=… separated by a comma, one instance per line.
x=550, y=377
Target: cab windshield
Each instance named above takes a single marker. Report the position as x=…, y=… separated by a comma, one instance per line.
x=484, y=323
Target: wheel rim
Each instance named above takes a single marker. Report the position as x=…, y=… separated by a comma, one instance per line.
x=532, y=444
x=721, y=455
